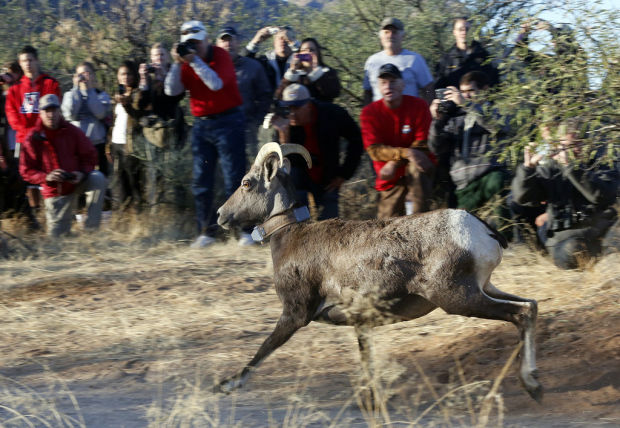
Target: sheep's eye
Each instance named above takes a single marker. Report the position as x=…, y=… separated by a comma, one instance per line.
x=246, y=184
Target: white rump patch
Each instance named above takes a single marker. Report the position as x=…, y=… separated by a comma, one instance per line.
x=470, y=234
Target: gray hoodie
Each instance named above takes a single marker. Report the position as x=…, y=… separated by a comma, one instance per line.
x=87, y=111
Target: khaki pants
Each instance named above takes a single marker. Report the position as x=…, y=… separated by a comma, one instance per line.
x=59, y=210
x=414, y=186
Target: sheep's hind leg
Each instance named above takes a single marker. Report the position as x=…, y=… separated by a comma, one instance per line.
x=522, y=313
x=367, y=383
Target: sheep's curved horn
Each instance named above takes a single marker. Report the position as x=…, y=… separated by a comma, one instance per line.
x=266, y=150
x=288, y=149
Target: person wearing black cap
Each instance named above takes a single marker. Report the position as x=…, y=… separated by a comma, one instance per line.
x=253, y=85
x=415, y=73
x=60, y=158
x=319, y=126
x=395, y=130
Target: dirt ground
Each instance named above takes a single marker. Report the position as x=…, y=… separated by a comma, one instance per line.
x=131, y=333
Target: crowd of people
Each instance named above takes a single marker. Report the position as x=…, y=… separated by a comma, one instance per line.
x=429, y=138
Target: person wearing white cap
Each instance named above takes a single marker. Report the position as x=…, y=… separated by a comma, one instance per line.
x=208, y=74
x=319, y=127
x=60, y=158
x=416, y=75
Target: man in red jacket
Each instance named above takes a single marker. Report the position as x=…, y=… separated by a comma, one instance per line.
x=22, y=103
x=61, y=159
x=218, y=132
x=394, y=130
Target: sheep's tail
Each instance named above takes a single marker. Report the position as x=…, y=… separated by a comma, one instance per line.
x=494, y=233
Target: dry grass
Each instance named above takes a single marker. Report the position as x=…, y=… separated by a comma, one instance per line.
x=133, y=328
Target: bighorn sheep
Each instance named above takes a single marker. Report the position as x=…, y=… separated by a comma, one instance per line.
x=405, y=266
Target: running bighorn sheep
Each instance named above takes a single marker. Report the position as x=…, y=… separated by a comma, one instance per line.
x=402, y=268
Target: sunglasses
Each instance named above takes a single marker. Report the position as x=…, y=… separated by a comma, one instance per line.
x=192, y=30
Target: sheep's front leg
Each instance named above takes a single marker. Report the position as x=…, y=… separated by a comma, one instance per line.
x=290, y=321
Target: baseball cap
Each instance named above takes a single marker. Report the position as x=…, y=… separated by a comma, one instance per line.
x=394, y=22
x=226, y=31
x=193, y=30
x=390, y=70
x=47, y=101
x=295, y=95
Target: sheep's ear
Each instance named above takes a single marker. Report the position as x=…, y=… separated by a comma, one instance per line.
x=286, y=166
x=270, y=166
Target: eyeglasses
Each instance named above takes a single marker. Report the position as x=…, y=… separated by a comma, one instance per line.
x=192, y=30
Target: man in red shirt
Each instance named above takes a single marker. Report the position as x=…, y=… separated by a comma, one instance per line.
x=208, y=73
x=61, y=159
x=22, y=103
x=394, y=131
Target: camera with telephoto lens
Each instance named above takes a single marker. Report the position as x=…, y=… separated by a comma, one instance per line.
x=186, y=48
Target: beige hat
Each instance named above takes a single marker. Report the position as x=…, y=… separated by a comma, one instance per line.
x=295, y=95
x=47, y=101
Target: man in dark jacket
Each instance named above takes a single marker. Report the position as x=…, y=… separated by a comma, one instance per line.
x=319, y=126
x=60, y=158
x=462, y=130
x=579, y=191
x=253, y=84
x=463, y=58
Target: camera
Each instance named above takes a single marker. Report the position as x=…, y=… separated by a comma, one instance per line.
x=6, y=78
x=304, y=57
x=121, y=89
x=150, y=68
x=281, y=111
x=185, y=48
x=68, y=176
x=445, y=107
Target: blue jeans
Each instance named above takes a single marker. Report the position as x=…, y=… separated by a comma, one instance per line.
x=224, y=138
x=328, y=201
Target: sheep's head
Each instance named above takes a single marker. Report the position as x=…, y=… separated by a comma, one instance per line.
x=265, y=190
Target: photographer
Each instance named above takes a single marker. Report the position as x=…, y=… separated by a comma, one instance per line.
x=163, y=128
x=208, y=73
x=579, y=190
x=88, y=107
x=276, y=61
x=307, y=68
x=58, y=157
x=463, y=130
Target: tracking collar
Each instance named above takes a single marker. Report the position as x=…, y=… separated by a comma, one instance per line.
x=278, y=221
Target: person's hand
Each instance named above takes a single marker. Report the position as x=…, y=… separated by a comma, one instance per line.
x=174, y=55
x=454, y=95
x=530, y=159
x=562, y=156
x=335, y=184
x=262, y=35
x=388, y=170
x=541, y=219
x=79, y=175
x=433, y=108
x=281, y=124
x=419, y=160
x=123, y=99
x=82, y=81
x=143, y=71
x=55, y=176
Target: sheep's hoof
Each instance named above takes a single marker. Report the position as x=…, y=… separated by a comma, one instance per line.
x=532, y=386
x=224, y=387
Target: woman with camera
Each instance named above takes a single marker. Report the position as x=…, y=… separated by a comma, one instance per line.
x=127, y=147
x=88, y=108
x=307, y=68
